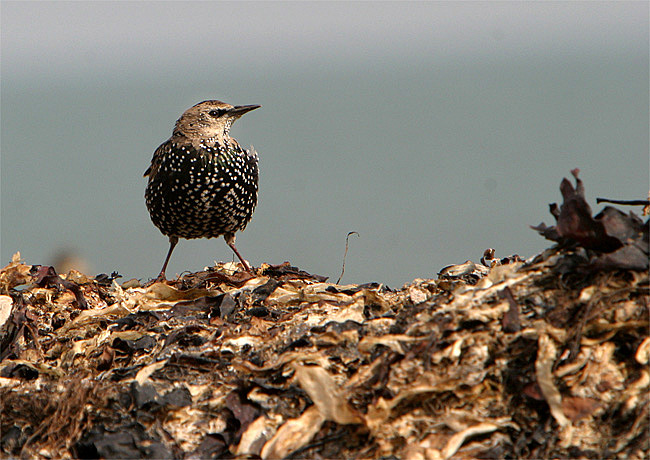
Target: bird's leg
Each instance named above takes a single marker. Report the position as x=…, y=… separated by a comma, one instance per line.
x=230, y=241
x=172, y=244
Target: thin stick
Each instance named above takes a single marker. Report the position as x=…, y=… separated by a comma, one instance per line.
x=628, y=202
x=347, y=239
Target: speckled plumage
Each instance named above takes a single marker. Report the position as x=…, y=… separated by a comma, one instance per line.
x=202, y=184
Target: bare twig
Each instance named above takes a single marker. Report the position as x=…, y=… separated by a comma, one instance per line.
x=347, y=239
x=627, y=202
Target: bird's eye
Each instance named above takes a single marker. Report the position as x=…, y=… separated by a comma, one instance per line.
x=216, y=113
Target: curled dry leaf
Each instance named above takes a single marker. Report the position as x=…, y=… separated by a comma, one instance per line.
x=459, y=438
x=14, y=274
x=546, y=355
x=6, y=305
x=294, y=434
x=256, y=436
x=618, y=240
x=323, y=391
x=643, y=352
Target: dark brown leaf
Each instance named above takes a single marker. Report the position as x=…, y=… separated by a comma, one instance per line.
x=285, y=271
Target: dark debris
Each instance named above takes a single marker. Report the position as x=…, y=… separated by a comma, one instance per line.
x=616, y=240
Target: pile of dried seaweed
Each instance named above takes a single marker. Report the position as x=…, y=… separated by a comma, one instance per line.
x=538, y=359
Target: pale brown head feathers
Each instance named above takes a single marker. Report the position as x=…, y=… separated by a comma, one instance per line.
x=209, y=120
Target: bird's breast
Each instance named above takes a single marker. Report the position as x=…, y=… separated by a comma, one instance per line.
x=206, y=191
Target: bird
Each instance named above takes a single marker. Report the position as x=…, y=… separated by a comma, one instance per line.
x=201, y=183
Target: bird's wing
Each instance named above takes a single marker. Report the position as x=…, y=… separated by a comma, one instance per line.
x=155, y=161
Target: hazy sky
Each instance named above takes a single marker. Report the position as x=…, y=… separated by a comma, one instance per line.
x=435, y=130
x=61, y=39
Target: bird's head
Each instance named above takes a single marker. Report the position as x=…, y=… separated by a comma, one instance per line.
x=210, y=120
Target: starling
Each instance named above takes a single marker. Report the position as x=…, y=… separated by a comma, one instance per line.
x=202, y=184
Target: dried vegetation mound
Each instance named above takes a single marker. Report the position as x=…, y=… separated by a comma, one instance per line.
x=500, y=359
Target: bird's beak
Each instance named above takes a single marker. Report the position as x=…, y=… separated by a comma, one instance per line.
x=239, y=110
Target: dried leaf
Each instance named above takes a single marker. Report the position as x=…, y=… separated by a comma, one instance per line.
x=392, y=341
x=643, y=352
x=243, y=410
x=14, y=274
x=294, y=434
x=143, y=374
x=623, y=238
x=255, y=436
x=6, y=305
x=326, y=395
x=576, y=408
x=459, y=438
x=546, y=354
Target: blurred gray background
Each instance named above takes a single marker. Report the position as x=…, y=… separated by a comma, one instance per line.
x=435, y=130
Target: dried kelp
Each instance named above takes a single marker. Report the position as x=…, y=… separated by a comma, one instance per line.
x=615, y=240
x=503, y=358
